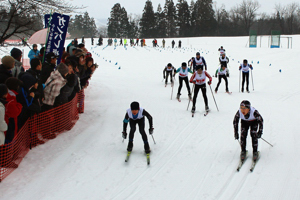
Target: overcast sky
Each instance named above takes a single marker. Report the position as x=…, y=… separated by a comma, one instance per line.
x=100, y=9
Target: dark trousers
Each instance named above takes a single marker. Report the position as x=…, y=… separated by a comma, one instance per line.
x=141, y=123
x=167, y=75
x=245, y=77
x=245, y=125
x=203, y=90
x=220, y=79
x=185, y=79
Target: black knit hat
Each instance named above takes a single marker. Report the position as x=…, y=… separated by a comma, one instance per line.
x=13, y=83
x=3, y=90
x=169, y=65
x=199, y=67
x=15, y=53
x=135, y=105
x=245, y=103
x=198, y=53
x=183, y=64
x=245, y=61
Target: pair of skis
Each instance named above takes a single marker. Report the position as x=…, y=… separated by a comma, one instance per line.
x=205, y=114
x=147, y=156
x=252, y=165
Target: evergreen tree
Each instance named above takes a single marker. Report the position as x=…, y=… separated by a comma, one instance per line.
x=82, y=25
x=118, y=24
x=203, y=23
x=183, y=18
x=147, y=23
x=161, y=23
x=170, y=14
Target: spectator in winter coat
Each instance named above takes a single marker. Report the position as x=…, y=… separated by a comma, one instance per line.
x=13, y=108
x=3, y=125
x=33, y=53
x=35, y=71
x=81, y=62
x=8, y=63
x=75, y=71
x=163, y=43
x=53, y=85
x=48, y=66
x=67, y=90
x=26, y=96
x=173, y=43
x=17, y=55
x=41, y=55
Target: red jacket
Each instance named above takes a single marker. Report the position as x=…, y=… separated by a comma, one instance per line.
x=12, y=108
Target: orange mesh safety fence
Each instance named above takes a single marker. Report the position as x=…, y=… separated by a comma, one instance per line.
x=38, y=130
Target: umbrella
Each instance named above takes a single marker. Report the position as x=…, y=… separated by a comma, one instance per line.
x=39, y=37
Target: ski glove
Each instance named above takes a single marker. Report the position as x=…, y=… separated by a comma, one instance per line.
x=164, y=76
x=258, y=134
x=240, y=68
x=236, y=135
x=151, y=131
x=209, y=82
x=124, y=134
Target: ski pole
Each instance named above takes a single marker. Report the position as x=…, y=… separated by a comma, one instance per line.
x=240, y=82
x=189, y=100
x=267, y=142
x=252, y=80
x=153, y=139
x=213, y=97
x=239, y=143
x=172, y=90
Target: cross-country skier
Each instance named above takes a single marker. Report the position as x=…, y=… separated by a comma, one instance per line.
x=224, y=59
x=191, y=64
x=245, y=74
x=221, y=50
x=222, y=73
x=169, y=69
x=199, y=60
x=250, y=118
x=183, y=76
x=199, y=79
x=135, y=115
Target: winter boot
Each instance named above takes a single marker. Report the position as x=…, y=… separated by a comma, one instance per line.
x=130, y=145
x=243, y=155
x=193, y=109
x=190, y=97
x=178, y=96
x=206, y=108
x=255, y=156
x=147, y=148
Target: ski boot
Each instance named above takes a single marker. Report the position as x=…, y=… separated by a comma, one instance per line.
x=129, y=147
x=255, y=156
x=193, y=109
x=190, y=97
x=206, y=108
x=243, y=155
x=242, y=89
x=178, y=96
x=216, y=91
x=172, y=83
x=147, y=148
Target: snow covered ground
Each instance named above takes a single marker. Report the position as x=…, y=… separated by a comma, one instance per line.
x=193, y=158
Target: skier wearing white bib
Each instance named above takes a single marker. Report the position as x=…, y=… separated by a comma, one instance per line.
x=135, y=115
x=250, y=118
x=183, y=73
x=199, y=79
x=199, y=60
x=222, y=73
x=168, y=70
x=245, y=74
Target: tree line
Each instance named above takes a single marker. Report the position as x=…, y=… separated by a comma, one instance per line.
x=202, y=18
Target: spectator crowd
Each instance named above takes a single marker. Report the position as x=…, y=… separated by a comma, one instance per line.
x=46, y=85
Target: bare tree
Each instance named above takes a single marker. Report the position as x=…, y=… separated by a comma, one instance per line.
x=21, y=16
x=247, y=12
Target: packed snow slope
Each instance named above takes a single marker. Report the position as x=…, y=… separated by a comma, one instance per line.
x=193, y=158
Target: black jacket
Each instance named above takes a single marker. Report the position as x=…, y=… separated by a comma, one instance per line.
x=46, y=71
x=4, y=74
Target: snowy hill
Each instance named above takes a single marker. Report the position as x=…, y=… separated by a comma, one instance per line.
x=193, y=158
